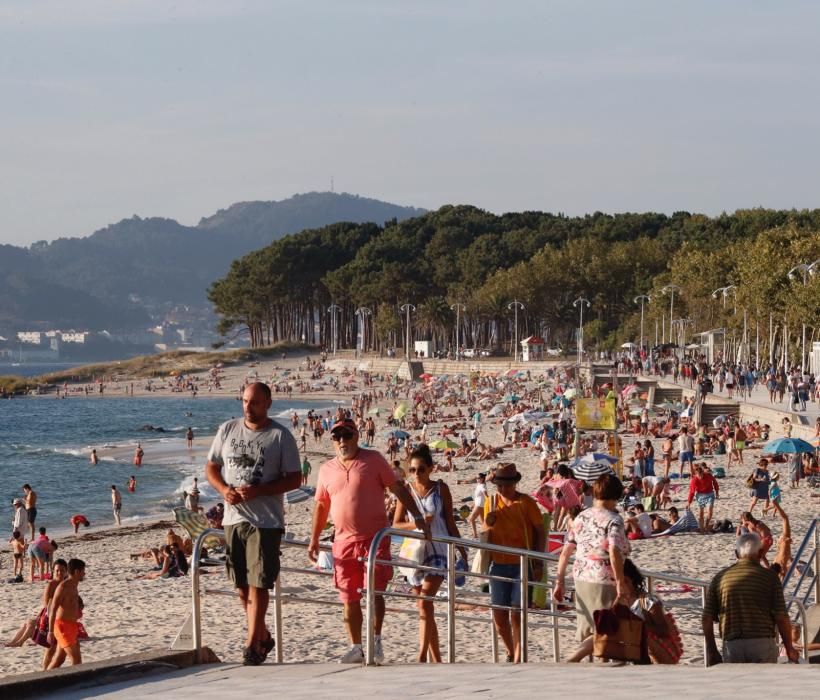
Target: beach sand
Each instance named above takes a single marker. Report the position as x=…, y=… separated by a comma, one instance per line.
x=126, y=616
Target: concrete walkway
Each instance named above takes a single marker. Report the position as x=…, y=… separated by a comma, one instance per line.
x=297, y=681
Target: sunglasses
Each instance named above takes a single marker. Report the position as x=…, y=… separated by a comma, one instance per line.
x=343, y=435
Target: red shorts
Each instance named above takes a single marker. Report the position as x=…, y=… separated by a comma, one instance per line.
x=636, y=536
x=349, y=572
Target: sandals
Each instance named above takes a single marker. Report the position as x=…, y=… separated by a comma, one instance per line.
x=252, y=657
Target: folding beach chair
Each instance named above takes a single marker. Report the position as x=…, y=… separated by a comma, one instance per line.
x=195, y=524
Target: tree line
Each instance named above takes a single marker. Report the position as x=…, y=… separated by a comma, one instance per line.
x=461, y=255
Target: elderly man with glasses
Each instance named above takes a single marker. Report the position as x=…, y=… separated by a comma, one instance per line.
x=350, y=489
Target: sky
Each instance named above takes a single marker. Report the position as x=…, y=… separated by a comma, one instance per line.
x=111, y=108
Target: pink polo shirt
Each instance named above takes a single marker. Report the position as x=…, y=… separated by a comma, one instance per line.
x=355, y=494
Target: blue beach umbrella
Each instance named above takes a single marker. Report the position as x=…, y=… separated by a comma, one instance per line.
x=786, y=445
x=398, y=434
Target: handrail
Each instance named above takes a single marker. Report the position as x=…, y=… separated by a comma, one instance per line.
x=812, y=534
x=553, y=615
x=522, y=554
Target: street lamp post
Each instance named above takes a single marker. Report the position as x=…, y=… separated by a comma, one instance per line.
x=671, y=289
x=363, y=312
x=408, y=308
x=724, y=292
x=515, y=305
x=641, y=298
x=581, y=301
x=333, y=309
x=805, y=269
x=458, y=308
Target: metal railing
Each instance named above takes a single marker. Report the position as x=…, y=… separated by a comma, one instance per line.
x=808, y=580
x=553, y=615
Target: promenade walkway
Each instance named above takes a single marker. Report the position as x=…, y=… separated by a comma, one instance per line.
x=442, y=681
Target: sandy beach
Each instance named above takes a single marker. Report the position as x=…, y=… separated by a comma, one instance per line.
x=123, y=615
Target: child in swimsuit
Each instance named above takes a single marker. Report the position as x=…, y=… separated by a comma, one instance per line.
x=19, y=548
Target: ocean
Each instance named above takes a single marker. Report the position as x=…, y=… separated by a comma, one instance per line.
x=46, y=443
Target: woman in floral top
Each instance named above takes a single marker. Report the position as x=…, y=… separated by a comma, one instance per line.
x=599, y=538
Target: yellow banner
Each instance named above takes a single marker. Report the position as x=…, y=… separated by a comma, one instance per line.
x=595, y=414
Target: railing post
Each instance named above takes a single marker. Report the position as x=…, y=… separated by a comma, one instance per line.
x=524, y=604
x=816, y=562
x=556, y=643
x=196, y=601
x=451, y=603
x=277, y=619
x=702, y=608
x=370, y=599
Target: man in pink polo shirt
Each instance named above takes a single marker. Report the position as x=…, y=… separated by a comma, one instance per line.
x=350, y=489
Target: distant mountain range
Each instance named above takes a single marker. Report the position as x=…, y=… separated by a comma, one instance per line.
x=110, y=278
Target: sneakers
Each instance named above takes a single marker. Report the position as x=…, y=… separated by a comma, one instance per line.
x=355, y=655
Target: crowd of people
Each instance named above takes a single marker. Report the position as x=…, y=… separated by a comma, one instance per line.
x=600, y=517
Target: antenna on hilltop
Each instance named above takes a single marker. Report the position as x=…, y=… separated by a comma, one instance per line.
x=331, y=183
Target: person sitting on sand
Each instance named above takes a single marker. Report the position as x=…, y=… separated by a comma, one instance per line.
x=638, y=523
x=659, y=523
x=214, y=516
x=168, y=568
x=64, y=614
x=40, y=635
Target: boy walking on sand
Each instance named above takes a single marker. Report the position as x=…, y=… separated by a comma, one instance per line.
x=63, y=627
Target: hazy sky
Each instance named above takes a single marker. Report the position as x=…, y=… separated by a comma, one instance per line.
x=111, y=108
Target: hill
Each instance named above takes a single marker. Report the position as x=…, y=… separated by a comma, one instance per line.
x=139, y=264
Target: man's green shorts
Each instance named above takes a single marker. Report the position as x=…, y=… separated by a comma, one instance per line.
x=252, y=555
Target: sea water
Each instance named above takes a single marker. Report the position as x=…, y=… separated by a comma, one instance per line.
x=47, y=443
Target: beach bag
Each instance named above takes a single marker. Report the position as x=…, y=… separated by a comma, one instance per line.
x=482, y=559
x=669, y=648
x=40, y=635
x=750, y=481
x=619, y=635
x=719, y=472
x=649, y=503
x=412, y=551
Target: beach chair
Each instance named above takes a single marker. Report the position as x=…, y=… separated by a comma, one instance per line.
x=195, y=524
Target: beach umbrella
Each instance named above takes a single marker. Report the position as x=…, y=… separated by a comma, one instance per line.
x=398, y=434
x=786, y=445
x=670, y=406
x=496, y=410
x=444, y=444
x=632, y=388
x=535, y=415
x=570, y=393
x=591, y=470
x=425, y=376
x=591, y=457
x=628, y=346
x=303, y=493
x=401, y=410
